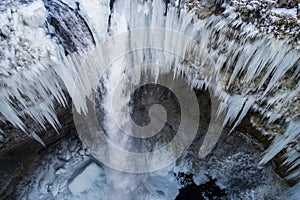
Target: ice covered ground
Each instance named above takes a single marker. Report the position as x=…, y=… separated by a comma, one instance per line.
x=66, y=171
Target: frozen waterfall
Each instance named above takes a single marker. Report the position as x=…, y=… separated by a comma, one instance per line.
x=243, y=69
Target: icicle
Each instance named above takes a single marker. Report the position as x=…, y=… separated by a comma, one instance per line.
x=281, y=141
x=258, y=59
x=10, y=114
x=243, y=57
x=286, y=63
x=37, y=138
x=278, y=57
x=235, y=105
x=248, y=104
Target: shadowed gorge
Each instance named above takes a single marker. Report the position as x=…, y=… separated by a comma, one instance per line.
x=152, y=99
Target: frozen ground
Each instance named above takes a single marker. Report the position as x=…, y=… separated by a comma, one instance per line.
x=66, y=171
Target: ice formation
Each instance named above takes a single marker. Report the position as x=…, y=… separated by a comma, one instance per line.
x=29, y=85
x=242, y=68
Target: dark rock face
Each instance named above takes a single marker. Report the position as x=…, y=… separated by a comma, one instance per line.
x=287, y=3
x=70, y=29
x=140, y=103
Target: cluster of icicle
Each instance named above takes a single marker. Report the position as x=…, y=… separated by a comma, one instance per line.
x=244, y=70
x=29, y=84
